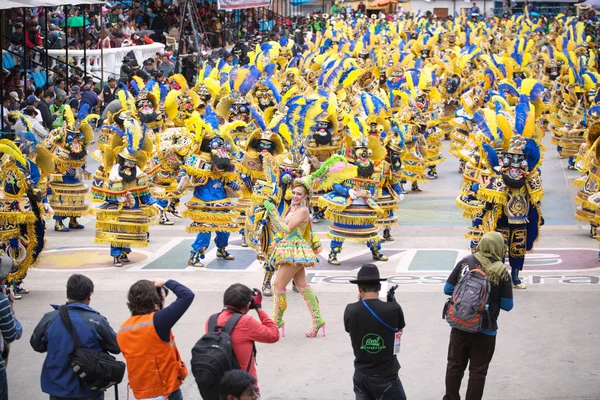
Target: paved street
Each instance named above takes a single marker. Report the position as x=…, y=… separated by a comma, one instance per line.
x=548, y=346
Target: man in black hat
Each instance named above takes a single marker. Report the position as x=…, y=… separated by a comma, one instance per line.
x=375, y=328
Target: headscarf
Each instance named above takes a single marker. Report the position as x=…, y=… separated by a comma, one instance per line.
x=490, y=253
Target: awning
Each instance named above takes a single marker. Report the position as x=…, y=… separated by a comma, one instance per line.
x=381, y=3
x=6, y=4
x=590, y=3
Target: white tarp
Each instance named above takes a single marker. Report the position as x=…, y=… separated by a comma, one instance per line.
x=238, y=4
x=5, y=4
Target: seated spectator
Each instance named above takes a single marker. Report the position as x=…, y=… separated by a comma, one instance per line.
x=88, y=97
x=238, y=385
x=36, y=126
x=50, y=336
x=15, y=101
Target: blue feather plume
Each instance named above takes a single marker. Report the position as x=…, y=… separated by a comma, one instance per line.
x=275, y=91
x=250, y=80
x=83, y=112
x=270, y=69
x=521, y=112
x=490, y=155
x=212, y=119
x=134, y=87
x=532, y=151
x=482, y=125
x=257, y=118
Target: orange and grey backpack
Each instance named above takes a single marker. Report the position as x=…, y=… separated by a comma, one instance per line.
x=467, y=309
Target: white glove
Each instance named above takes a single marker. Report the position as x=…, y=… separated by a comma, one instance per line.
x=48, y=209
x=352, y=194
x=183, y=184
x=401, y=197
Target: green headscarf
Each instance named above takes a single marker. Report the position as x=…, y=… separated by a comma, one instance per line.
x=490, y=252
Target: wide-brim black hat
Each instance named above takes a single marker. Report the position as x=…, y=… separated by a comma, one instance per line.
x=369, y=273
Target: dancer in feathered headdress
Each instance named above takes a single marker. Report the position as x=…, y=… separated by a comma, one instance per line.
x=587, y=198
x=211, y=172
x=181, y=103
x=510, y=185
x=123, y=218
x=24, y=167
x=67, y=146
x=354, y=181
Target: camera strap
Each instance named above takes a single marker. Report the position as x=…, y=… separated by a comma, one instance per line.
x=377, y=317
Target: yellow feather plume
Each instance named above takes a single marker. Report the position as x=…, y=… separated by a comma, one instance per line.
x=139, y=81
x=180, y=79
x=21, y=116
x=68, y=115
x=8, y=147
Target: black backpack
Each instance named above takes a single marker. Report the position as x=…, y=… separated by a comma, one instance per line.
x=213, y=356
x=95, y=370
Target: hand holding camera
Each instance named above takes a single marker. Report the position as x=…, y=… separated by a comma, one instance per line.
x=256, y=302
x=391, y=294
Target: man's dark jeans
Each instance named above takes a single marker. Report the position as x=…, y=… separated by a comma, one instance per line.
x=377, y=387
x=3, y=385
x=475, y=349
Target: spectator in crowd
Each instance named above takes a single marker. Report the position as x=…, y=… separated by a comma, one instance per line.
x=36, y=126
x=88, y=97
x=33, y=101
x=166, y=67
x=73, y=100
x=238, y=385
x=58, y=110
x=15, y=102
x=239, y=298
x=44, y=107
x=154, y=366
x=375, y=328
x=52, y=337
x=477, y=349
x=5, y=110
x=109, y=92
x=10, y=327
x=60, y=87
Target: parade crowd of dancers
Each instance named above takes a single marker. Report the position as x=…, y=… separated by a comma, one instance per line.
x=335, y=133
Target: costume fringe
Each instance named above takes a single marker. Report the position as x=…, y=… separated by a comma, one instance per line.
x=333, y=236
x=29, y=260
x=214, y=228
x=121, y=227
x=536, y=196
x=17, y=217
x=469, y=212
x=492, y=196
x=350, y=219
x=120, y=243
x=326, y=204
x=207, y=216
x=202, y=174
x=70, y=213
x=253, y=174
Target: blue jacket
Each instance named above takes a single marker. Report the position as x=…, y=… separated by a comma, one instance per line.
x=50, y=336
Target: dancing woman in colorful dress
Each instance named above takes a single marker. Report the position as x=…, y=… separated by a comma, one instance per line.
x=296, y=251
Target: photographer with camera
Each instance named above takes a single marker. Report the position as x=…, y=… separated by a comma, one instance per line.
x=10, y=327
x=51, y=336
x=154, y=366
x=375, y=329
x=239, y=300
